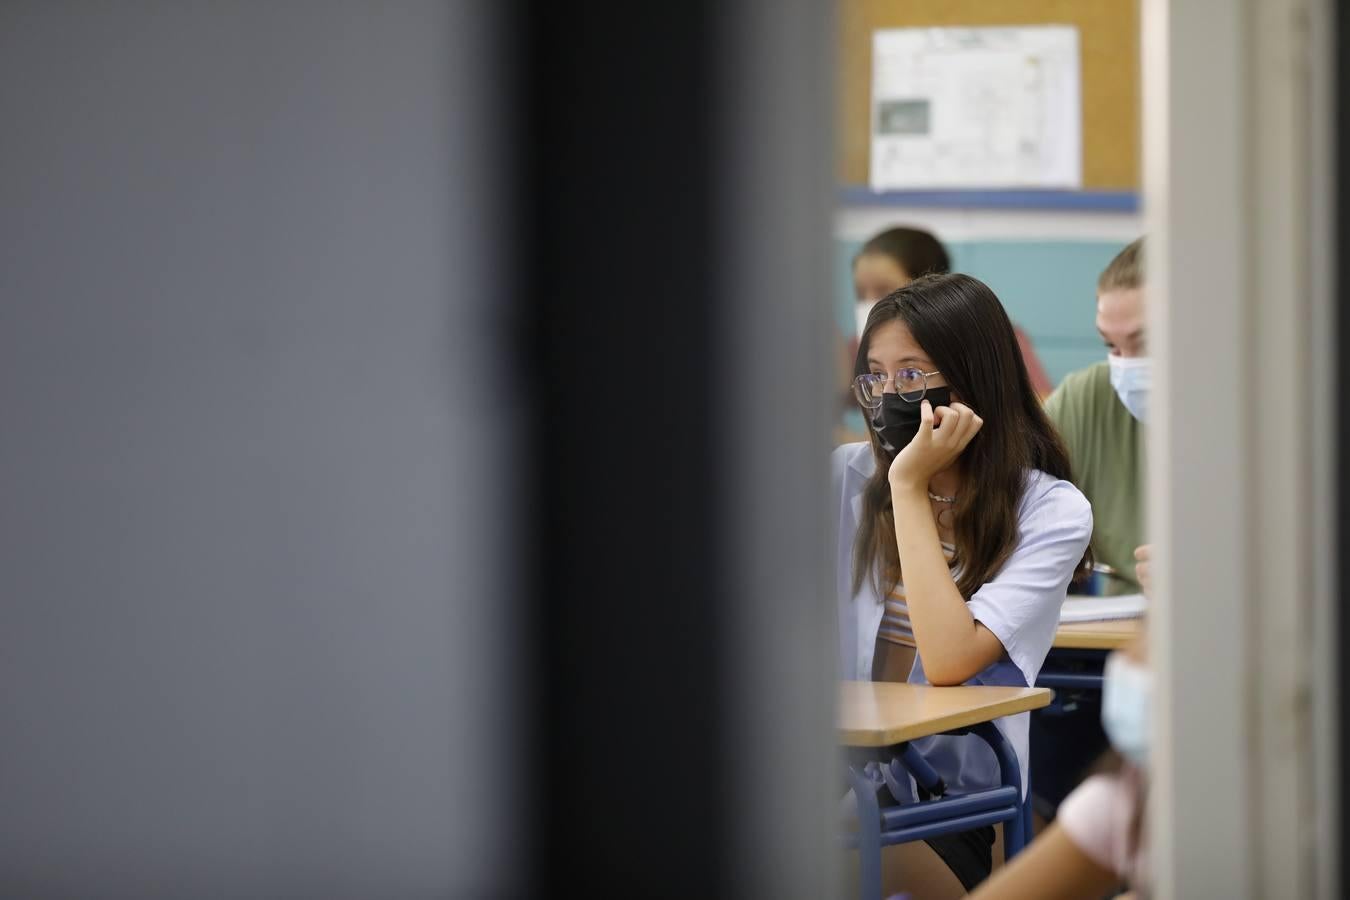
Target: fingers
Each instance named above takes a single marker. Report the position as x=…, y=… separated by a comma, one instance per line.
x=959, y=424
x=1143, y=569
x=970, y=423
x=1144, y=573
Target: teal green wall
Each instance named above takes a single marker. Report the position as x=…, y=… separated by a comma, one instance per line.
x=1048, y=288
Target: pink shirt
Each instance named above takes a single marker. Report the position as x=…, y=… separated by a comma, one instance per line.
x=1100, y=817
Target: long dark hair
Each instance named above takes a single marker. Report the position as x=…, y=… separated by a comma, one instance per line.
x=964, y=329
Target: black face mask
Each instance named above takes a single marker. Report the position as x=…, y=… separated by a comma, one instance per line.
x=896, y=421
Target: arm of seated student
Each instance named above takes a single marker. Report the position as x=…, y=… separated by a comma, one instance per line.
x=954, y=646
x=1051, y=868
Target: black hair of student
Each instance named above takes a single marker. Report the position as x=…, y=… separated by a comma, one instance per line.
x=917, y=251
x=964, y=329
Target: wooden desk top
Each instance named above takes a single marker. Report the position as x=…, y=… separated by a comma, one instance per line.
x=884, y=713
x=1109, y=635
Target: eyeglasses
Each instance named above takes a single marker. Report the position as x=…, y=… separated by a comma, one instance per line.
x=910, y=385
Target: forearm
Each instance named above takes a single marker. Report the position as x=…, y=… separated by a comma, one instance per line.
x=1052, y=868
x=944, y=630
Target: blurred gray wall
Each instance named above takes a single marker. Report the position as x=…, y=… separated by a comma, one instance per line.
x=249, y=458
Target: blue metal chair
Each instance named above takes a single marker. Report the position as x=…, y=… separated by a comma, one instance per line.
x=915, y=820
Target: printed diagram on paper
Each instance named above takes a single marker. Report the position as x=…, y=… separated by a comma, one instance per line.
x=976, y=108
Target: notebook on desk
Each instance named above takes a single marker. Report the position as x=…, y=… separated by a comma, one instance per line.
x=1102, y=609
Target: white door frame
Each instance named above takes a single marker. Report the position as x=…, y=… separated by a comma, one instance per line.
x=1236, y=147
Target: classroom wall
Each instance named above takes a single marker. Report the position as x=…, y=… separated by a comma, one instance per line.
x=1043, y=265
x=1109, y=49
x=1041, y=258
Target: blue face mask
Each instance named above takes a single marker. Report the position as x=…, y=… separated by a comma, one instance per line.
x=1132, y=379
x=1126, y=706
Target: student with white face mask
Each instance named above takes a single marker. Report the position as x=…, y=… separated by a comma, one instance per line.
x=1098, y=841
x=1101, y=412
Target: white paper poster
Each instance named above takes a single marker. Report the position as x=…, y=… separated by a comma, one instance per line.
x=976, y=108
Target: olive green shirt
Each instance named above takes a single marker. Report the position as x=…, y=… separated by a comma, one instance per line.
x=1107, y=455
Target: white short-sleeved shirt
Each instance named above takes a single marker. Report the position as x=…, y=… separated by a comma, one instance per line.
x=1020, y=606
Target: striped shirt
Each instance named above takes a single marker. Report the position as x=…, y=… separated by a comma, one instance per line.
x=895, y=625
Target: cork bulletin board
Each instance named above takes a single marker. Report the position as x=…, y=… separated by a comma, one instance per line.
x=1109, y=46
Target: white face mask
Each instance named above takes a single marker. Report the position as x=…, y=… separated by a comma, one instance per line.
x=1132, y=379
x=1127, y=688
x=861, y=309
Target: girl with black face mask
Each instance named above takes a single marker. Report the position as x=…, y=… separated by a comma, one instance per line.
x=959, y=534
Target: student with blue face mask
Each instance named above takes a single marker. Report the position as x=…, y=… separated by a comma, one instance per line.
x=1100, y=413
x=1097, y=843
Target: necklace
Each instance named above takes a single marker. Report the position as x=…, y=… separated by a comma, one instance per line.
x=947, y=514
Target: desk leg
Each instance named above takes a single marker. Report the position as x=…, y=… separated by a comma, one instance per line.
x=1028, y=823
x=869, y=835
x=1014, y=830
